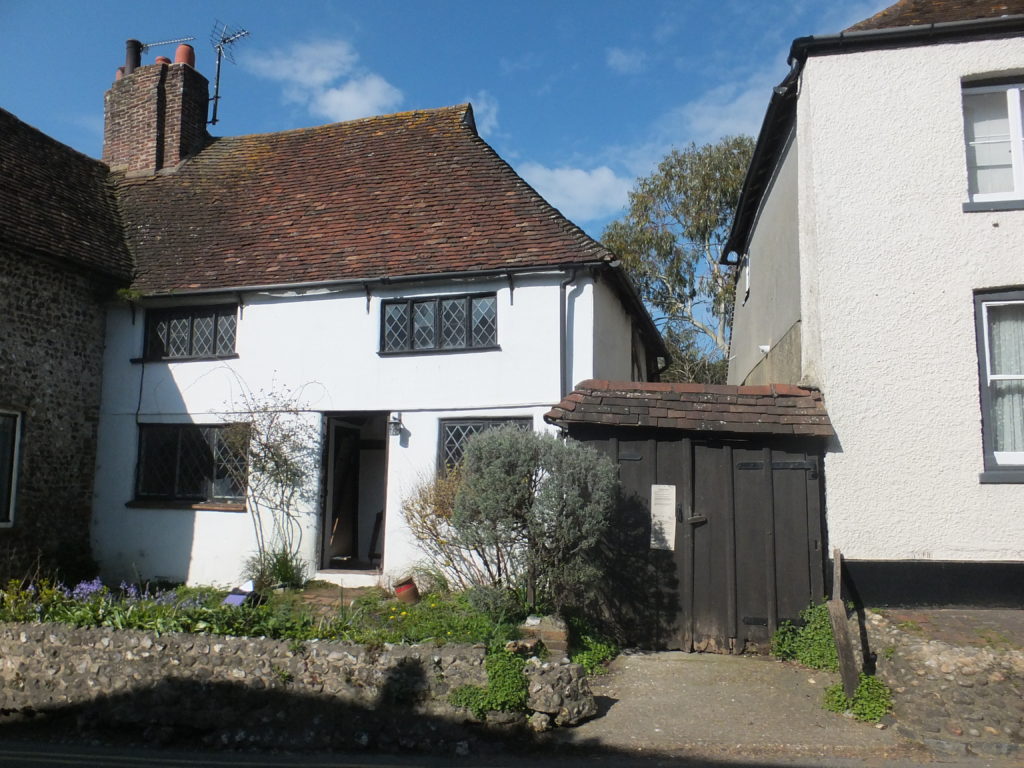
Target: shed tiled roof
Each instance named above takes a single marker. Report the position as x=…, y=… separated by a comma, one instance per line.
x=406, y=194
x=909, y=13
x=774, y=408
x=57, y=202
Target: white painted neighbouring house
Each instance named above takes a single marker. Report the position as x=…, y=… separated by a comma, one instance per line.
x=394, y=272
x=880, y=243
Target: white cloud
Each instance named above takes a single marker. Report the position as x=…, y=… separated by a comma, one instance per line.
x=580, y=195
x=358, y=97
x=625, y=62
x=325, y=77
x=726, y=110
x=485, y=112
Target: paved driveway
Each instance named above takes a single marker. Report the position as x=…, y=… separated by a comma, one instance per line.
x=715, y=705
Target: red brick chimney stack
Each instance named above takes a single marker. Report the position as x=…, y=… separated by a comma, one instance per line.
x=154, y=115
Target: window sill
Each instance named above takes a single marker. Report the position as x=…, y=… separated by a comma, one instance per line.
x=994, y=205
x=137, y=360
x=459, y=351
x=1001, y=476
x=211, y=506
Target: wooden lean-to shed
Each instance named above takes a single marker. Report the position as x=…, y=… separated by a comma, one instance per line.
x=720, y=529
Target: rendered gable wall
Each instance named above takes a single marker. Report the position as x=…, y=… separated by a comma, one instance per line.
x=769, y=313
x=889, y=264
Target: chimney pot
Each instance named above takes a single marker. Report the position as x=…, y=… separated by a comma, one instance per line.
x=162, y=60
x=185, y=54
x=119, y=73
x=132, y=56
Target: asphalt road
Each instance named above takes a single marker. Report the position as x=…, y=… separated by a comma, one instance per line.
x=26, y=754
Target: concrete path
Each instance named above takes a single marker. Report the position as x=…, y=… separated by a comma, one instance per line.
x=716, y=706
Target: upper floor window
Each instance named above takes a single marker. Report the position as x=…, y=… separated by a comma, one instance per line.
x=190, y=332
x=440, y=323
x=192, y=462
x=9, y=440
x=995, y=145
x=1000, y=318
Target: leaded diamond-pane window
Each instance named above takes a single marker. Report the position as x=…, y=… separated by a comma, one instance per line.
x=191, y=332
x=396, y=326
x=485, y=321
x=455, y=433
x=424, y=315
x=453, y=323
x=191, y=462
x=443, y=323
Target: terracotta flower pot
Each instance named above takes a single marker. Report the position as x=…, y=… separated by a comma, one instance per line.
x=406, y=591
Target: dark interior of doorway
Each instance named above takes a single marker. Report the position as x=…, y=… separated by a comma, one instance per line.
x=355, y=460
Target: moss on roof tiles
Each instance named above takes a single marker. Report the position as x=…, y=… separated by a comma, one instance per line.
x=411, y=193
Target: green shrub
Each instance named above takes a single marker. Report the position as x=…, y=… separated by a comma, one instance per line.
x=589, y=648
x=506, y=689
x=811, y=644
x=870, y=701
x=534, y=508
x=278, y=567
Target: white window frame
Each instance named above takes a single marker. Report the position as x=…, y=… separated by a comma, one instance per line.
x=1001, y=458
x=15, y=463
x=1013, y=99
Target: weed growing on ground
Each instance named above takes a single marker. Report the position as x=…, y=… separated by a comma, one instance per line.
x=373, y=620
x=506, y=689
x=589, y=648
x=870, y=701
x=811, y=644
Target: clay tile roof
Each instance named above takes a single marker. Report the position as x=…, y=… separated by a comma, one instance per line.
x=57, y=203
x=909, y=13
x=774, y=408
x=406, y=194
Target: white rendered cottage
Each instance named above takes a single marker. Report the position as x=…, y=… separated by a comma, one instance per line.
x=879, y=238
x=394, y=272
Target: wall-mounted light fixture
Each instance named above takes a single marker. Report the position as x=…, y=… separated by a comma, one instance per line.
x=395, y=424
x=765, y=349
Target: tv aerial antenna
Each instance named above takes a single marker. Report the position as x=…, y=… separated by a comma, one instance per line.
x=147, y=46
x=222, y=38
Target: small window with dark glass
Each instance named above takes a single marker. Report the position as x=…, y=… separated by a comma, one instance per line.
x=8, y=465
x=455, y=433
x=191, y=332
x=439, y=324
x=192, y=462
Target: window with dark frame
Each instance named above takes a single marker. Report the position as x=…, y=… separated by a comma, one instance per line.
x=455, y=432
x=185, y=333
x=439, y=323
x=1000, y=326
x=9, y=436
x=192, y=462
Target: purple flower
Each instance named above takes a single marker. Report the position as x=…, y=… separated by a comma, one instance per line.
x=86, y=589
x=129, y=592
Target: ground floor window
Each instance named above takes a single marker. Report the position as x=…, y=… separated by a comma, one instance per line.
x=455, y=432
x=1000, y=318
x=192, y=462
x=9, y=440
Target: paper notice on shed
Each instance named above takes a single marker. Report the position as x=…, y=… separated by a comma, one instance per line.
x=663, y=517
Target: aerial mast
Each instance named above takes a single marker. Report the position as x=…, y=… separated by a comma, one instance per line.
x=222, y=38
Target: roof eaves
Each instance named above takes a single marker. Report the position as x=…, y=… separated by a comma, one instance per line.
x=918, y=34
x=782, y=107
x=778, y=119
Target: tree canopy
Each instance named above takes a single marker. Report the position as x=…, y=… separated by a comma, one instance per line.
x=671, y=241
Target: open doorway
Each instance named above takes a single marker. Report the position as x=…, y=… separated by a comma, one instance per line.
x=355, y=456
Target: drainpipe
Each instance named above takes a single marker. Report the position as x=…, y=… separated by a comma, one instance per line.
x=563, y=345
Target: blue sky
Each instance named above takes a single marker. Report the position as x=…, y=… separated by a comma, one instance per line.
x=580, y=96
